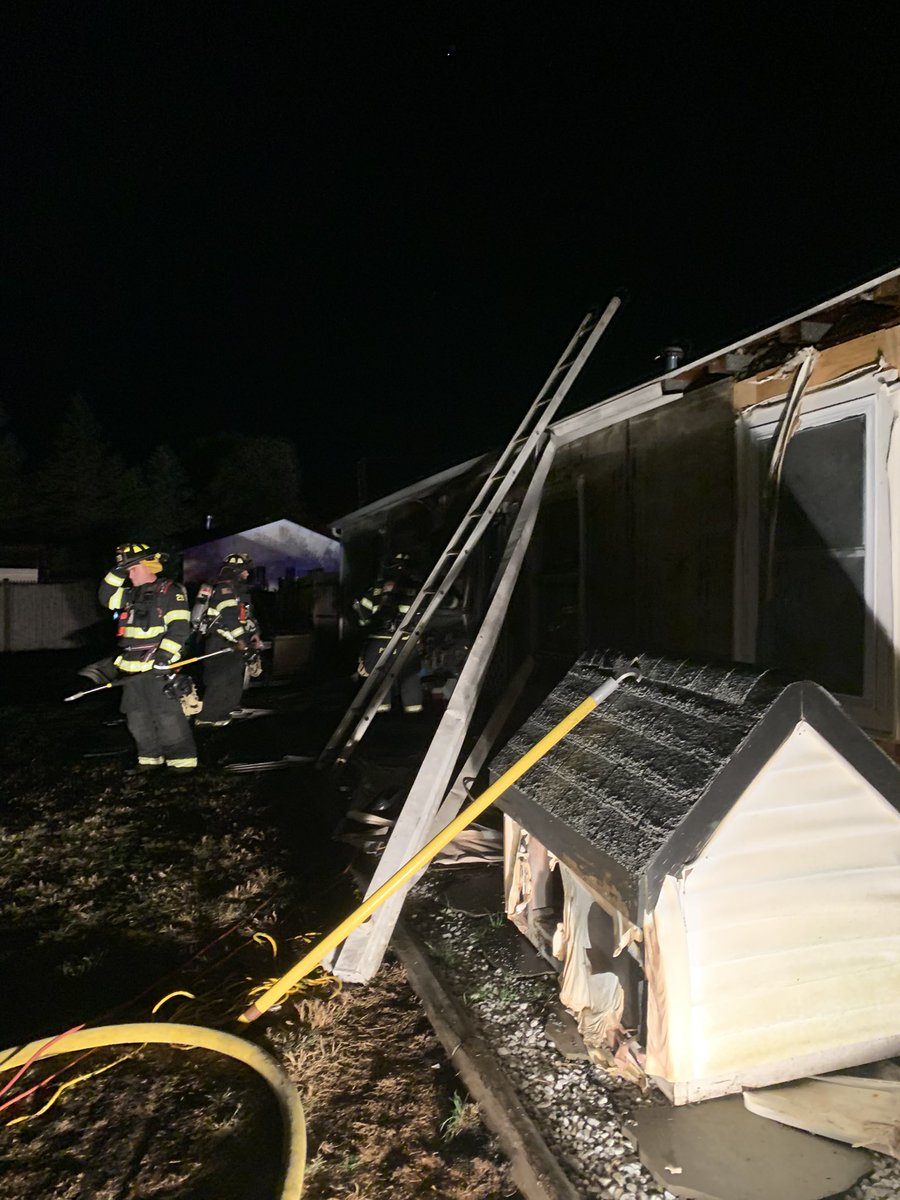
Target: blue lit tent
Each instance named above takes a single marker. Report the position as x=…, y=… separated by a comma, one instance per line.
x=279, y=549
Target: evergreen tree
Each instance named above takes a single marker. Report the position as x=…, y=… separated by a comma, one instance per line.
x=257, y=480
x=167, y=497
x=82, y=489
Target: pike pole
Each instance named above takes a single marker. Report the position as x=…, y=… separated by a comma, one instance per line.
x=175, y=666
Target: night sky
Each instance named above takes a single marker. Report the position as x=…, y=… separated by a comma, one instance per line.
x=373, y=227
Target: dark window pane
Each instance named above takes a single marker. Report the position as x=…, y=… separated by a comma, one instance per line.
x=821, y=500
x=814, y=626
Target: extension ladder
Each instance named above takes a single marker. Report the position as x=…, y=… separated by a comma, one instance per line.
x=481, y=512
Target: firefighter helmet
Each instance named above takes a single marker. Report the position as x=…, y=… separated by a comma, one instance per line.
x=129, y=554
x=235, y=566
x=239, y=560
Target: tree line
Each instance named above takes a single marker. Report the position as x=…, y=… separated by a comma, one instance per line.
x=80, y=497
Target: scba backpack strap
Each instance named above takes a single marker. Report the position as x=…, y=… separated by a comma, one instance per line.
x=200, y=622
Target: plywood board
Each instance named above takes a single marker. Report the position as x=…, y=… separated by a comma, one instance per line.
x=849, y=1108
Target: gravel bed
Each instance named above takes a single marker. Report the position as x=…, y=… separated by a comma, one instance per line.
x=580, y=1110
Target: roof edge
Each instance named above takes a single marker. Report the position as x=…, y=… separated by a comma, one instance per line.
x=633, y=401
x=800, y=701
x=408, y=493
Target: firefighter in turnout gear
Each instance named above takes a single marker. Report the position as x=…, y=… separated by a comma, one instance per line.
x=379, y=612
x=224, y=615
x=153, y=624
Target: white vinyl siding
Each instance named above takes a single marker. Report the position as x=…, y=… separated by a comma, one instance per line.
x=792, y=919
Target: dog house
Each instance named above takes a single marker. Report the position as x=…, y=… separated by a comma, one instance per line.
x=712, y=860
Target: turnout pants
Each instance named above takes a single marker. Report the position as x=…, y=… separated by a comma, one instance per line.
x=223, y=679
x=407, y=686
x=160, y=729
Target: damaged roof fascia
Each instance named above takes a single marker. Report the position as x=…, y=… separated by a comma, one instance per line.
x=635, y=401
x=377, y=508
x=872, y=353
x=669, y=387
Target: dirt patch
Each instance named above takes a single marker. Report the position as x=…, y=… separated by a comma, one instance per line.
x=117, y=891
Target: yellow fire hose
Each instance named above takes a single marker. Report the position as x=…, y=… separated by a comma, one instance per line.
x=306, y=964
x=213, y=1039
x=138, y=1033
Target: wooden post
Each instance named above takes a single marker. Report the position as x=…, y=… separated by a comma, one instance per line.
x=361, y=955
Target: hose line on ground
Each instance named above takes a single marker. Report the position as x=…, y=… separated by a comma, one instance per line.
x=282, y=986
x=206, y=1039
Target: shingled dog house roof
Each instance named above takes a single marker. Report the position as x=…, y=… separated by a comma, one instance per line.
x=638, y=788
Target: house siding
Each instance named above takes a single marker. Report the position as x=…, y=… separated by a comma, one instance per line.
x=635, y=545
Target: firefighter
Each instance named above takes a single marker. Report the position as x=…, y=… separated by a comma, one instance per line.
x=152, y=628
x=227, y=618
x=379, y=612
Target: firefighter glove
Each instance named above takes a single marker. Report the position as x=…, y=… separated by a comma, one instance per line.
x=175, y=684
x=190, y=702
x=254, y=665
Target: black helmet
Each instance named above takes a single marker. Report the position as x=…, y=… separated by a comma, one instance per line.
x=129, y=554
x=243, y=561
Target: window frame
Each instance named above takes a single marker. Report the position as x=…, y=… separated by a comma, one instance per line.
x=862, y=396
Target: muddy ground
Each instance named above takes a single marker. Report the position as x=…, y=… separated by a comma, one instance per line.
x=116, y=891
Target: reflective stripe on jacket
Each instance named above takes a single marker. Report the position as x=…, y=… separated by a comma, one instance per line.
x=225, y=611
x=154, y=621
x=381, y=611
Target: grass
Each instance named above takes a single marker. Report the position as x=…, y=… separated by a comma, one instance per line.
x=114, y=887
x=504, y=992
x=443, y=952
x=463, y=1118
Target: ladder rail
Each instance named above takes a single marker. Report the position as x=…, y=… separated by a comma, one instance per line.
x=450, y=563
x=590, y=325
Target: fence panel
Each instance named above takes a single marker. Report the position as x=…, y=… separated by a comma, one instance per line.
x=48, y=616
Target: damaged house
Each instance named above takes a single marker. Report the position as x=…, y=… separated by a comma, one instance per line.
x=713, y=860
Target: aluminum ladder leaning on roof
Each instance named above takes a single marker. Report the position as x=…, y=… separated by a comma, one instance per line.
x=443, y=574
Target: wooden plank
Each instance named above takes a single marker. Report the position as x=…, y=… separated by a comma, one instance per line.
x=856, y=1109
x=536, y=1172
x=458, y=794
x=361, y=954
x=833, y=363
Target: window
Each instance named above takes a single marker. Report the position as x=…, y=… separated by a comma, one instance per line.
x=814, y=569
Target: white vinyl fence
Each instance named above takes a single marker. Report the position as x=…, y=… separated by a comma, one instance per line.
x=47, y=616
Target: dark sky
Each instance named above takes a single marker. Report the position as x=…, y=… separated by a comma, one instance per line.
x=373, y=227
